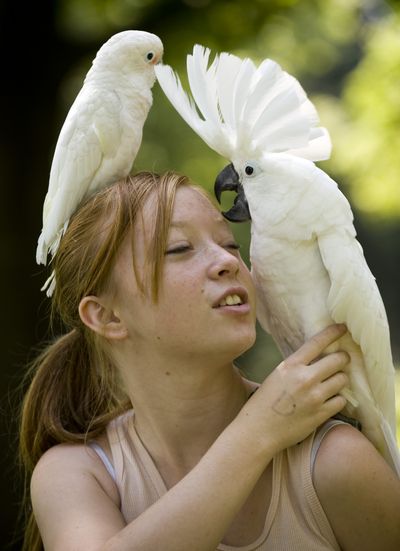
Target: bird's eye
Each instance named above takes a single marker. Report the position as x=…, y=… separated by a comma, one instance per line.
x=150, y=56
x=250, y=169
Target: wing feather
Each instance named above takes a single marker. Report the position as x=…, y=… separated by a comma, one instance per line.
x=354, y=299
x=86, y=138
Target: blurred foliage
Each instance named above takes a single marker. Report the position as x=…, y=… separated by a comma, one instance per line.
x=364, y=123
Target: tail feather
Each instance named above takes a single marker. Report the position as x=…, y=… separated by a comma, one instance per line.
x=49, y=285
x=41, y=250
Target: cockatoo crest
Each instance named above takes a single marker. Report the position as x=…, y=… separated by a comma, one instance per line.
x=244, y=108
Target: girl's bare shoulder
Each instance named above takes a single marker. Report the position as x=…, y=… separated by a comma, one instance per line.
x=74, y=499
x=354, y=485
x=69, y=463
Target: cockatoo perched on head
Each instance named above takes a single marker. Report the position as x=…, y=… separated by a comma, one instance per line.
x=308, y=267
x=102, y=133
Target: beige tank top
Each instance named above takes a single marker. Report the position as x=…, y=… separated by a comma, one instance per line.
x=295, y=519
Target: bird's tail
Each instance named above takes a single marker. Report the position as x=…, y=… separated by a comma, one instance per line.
x=41, y=250
x=50, y=284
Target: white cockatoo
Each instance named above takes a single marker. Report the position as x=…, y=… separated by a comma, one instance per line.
x=308, y=267
x=102, y=132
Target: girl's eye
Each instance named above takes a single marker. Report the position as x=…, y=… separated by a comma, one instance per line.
x=235, y=246
x=178, y=249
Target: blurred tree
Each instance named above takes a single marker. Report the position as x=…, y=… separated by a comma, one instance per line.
x=366, y=130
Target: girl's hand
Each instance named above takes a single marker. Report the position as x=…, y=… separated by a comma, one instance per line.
x=300, y=394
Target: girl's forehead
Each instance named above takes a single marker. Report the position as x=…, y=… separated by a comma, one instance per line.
x=190, y=203
x=190, y=207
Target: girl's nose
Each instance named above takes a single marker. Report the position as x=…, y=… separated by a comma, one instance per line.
x=223, y=263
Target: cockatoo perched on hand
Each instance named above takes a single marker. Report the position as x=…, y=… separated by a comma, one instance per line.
x=308, y=267
x=102, y=133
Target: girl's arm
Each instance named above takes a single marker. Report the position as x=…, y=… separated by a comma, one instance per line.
x=76, y=510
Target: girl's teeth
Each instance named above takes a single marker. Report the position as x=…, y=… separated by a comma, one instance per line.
x=230, y=300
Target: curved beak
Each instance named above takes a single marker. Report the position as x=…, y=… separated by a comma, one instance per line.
x=228, y=180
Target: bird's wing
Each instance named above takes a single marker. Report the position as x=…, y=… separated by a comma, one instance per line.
x=354, y=298
x=90, y=134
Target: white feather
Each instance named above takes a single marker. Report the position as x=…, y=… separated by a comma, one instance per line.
x=227, y=71
x=102, y=132
x=310, y=271
x=214, y=135
x=244, y=107
x=203, y=84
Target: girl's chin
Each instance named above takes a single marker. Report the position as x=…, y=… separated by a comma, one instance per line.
x=241, y=344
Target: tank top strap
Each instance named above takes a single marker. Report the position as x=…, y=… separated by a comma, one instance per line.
x=320, y=434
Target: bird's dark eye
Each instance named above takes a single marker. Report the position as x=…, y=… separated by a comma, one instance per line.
x=150, y=56
x=249, y=170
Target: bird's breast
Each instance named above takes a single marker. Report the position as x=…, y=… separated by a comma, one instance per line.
x=292, y=285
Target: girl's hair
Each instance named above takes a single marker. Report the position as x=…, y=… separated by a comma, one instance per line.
x=74, y=391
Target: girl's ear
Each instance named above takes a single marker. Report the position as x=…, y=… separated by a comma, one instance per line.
x=101, y=319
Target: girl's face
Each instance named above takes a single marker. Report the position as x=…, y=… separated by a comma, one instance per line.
x=206, y=301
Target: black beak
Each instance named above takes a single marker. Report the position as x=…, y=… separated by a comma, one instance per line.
x=228, y=180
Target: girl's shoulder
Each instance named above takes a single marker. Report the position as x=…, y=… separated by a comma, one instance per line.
x=65, y=459
x=343, y=453
x=354, y=485
x=69, y=463
x=74, y=499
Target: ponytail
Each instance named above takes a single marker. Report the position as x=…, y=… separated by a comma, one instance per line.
x=68, y=400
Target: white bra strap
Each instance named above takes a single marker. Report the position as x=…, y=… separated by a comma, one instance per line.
x=103, y=456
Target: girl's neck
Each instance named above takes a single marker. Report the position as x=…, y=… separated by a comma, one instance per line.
x=178, y=417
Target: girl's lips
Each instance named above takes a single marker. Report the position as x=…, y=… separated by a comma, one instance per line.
x=235, y=309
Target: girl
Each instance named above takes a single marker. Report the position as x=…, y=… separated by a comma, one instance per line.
x=141, y=433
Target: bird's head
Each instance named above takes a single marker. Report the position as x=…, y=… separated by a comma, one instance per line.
x=237, y=177
x=130, y=51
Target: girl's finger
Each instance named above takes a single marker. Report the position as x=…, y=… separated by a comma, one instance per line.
x=333, y=405
x=330, y=364
x=313, y=348
x=333, y=385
